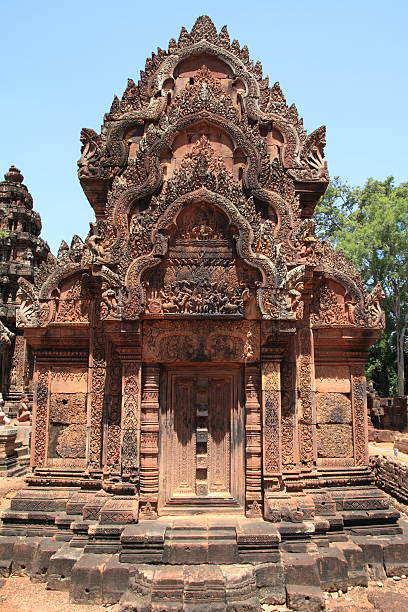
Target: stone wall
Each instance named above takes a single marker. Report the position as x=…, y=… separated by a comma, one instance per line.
x=391, y=476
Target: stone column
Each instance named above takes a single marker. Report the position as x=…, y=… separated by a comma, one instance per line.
x=253, y=450
x=271, y=404
x=359, y=407
x=149, y=442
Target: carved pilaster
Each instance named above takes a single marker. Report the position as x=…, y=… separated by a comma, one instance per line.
x=271, y=402
x=306, y=398
x=359, y=405
x=149, y=442
x=113, y=414
x=96, y=394
x=130, y=417
x=290, y=455
x=18, y=365
x=40, y=417
x=253, y=447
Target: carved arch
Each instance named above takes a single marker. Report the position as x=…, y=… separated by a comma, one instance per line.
x=265, y=265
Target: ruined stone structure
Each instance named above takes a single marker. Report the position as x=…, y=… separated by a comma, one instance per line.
x=21, y=253
x=387, y=413
x=202, y=353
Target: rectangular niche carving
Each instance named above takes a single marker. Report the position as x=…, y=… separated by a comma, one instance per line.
x=67, y=417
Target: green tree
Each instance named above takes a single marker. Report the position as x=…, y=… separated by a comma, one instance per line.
x=370, y=224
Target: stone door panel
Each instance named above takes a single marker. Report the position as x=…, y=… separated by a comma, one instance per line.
x=201, y=449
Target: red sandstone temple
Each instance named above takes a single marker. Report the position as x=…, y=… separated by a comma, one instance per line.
x=202, y=352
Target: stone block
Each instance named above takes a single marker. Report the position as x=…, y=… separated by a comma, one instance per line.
x=305, y=599
x=120, y=510
x=167, y=588
x=357, y=572
x=324, y=503
x=115, y=580
x=92, y=508
x=86, y=579
x=332, y=566
x=301, y=569
x=334, y=440
x=203, y=588
x=373, y=555
x=6, y=554
x=333, y=379
x=60, y=568
x=23, y=555
x=222, y=545
x=77, y=501
x=270, y=580
x=40, y=500
x=39, y=567
x=396, y=556
x=333, y=408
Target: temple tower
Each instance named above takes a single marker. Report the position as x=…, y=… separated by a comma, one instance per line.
x=21, y=253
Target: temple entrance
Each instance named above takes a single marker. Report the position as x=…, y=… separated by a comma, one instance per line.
x=202, y=441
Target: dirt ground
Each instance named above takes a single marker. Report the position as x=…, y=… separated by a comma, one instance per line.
x=386, y=449
x=18, y=594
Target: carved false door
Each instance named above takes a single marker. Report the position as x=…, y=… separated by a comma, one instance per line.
x=201, y=462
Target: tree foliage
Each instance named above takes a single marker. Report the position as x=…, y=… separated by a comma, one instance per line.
x=370, y=224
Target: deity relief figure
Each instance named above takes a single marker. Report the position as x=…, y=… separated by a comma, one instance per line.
x=93, y=241
x=308, y=241
x=265, y=242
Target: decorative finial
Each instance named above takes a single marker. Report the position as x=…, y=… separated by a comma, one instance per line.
x=14, y=175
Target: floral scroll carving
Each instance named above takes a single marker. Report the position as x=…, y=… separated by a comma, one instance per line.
x=200, y=341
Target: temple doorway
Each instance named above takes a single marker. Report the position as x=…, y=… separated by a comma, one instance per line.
x=201, y=440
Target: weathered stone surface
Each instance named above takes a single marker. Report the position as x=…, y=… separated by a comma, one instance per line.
x=334, y=440
x=305, y=599
x=23, y=554
x=270, y=580
x=333, y=408
x=41, y=560
x=86, y=578
x=115, y=579
x=332, y=566
x=357, y=572
x=60, y=568
x=301, y=569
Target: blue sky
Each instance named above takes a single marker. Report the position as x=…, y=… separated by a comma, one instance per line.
x=343, y=63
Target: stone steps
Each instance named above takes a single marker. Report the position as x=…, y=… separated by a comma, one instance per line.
x=297, y=578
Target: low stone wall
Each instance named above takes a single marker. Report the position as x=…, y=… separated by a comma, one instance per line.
x=381, y=435
x=14, y=450
x=391, y=476
x=401, y=443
